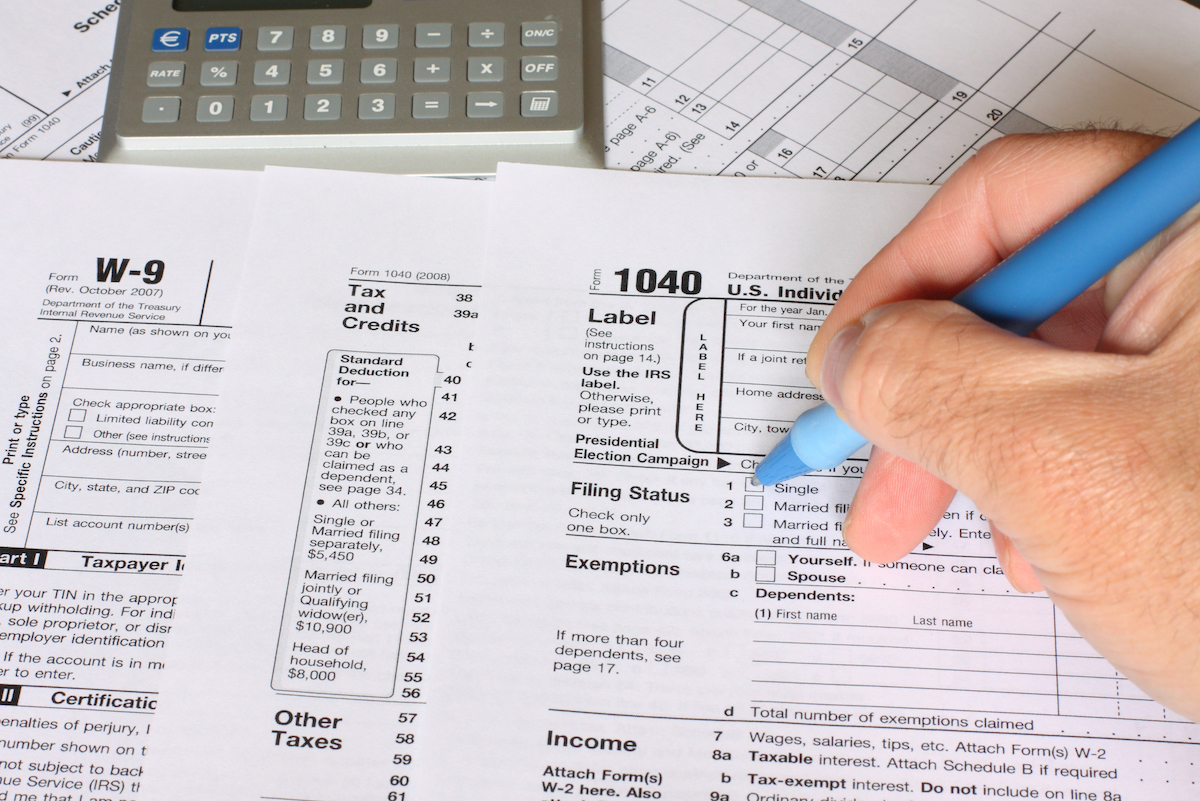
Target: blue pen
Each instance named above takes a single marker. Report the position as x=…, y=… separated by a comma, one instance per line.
x=1028, y=287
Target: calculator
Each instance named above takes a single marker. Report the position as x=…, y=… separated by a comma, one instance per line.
x=431, y=87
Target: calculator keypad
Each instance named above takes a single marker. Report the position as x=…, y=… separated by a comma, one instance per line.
x=431, y=106
x=322, y=107
x=381, y=37
x=272, y=73
x=485, y=34
x=435, y=34
x=377, y=107
x=377, y=77
x=160, y=109
x=327, y=37
x=326, y=72
x=214, y=108
x=485, y=70
x=223, y=39
x=378, y=70
x=276, y=39
x=485, y=105
x=164, y=74
x=431, y=70
x=268, y=108
x=218, y=73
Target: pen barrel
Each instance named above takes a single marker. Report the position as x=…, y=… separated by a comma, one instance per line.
x=823, y=440
x=1032, y=284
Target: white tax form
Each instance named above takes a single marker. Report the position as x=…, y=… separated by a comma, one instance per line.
x=881, y=90
x=119, y=290
x=55, y=59
x=626, y=615
x=306, y=658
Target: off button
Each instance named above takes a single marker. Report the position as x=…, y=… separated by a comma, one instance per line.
x=539, y=68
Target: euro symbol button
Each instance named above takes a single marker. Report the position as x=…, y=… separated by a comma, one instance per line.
x=169, y=40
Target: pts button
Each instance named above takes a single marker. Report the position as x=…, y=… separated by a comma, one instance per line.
x=223, y=39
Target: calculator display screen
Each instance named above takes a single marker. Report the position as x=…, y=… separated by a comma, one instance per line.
x=264, y=5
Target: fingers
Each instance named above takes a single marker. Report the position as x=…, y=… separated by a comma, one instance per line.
x=1016, y=568
x=987, y=412
x=1122, y=277
x=1009, y=192
x=1164, y=294
x=896, y=506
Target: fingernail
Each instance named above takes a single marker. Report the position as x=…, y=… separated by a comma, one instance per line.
x=837, y=357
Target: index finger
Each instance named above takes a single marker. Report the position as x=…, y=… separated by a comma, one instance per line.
x=1005, y=195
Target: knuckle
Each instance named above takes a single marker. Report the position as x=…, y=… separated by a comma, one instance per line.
x=915, y=377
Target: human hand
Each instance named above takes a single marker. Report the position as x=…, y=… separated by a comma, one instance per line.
x=1081, y=444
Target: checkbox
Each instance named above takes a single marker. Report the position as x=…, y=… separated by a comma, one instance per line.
x=765, y=558
x=73, y=432
x=764, y=574
x=751, y=520
x=751, y=486
x=754, y=502
x=77, y=415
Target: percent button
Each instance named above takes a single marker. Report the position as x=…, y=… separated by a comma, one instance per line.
x=218, y=73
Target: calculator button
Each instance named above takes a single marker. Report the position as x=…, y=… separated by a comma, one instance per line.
x=485, y=105
x=431, y=106
x=276, y=38
x=381, y=37
x=539, y=34
x=376, y=107
x=169, y=40
x=214, y=109
x=222, y=39
x=485, y=34
x=431, y=70
x=268, y=108
x=378, y=70
x=218, y=73
x=322, y=107
x=160, y=109
x=539, y=104
x=539, y=68
x=165, y=73
x=327, y=37
x=326, y=72
x=272, y=73
x=433, y=34
x=485, y=70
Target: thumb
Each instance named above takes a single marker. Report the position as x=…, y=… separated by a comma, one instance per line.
x=999, y=417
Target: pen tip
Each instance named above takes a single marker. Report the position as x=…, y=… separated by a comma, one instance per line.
x=754, y=481
x=780, y=464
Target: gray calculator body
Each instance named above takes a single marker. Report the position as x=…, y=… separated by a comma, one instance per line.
x=430, y=87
